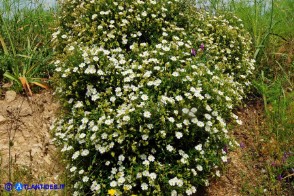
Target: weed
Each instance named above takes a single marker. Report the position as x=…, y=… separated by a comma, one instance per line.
x=25, y=52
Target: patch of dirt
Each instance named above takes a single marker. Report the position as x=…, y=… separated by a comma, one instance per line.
x=26, y=122
x=238, y=172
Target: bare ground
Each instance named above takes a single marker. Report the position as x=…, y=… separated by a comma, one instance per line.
x=25, y=122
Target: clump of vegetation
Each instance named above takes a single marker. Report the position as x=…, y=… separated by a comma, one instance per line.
x=147, y=87
x=270, y=25
x=25, y=51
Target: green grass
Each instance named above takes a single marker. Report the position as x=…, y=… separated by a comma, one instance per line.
x=25, y=35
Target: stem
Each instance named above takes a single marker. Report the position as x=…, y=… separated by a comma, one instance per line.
x=263, y=94
x=9, y=37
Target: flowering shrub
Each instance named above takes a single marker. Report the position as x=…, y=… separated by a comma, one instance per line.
x=146, y=87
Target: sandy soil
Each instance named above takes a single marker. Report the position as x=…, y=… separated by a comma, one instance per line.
x=26, y=122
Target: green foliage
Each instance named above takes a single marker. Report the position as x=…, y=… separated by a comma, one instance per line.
x=268, y=22
x=147, y=87
x=25, y=50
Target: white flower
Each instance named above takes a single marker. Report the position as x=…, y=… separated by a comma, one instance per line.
x=175, y=74
x=144, y=13
x=144, y=137
x=200, y=124
x=146, y=173
x=179, y=98
x=217, y=173
x=191, y=114
x=85, y=179
x=185, y=110
x=199, y=168
x=194, y=172
x=179, y=125
x=82, y=65
x=153, y=2
x=81, y=171
x=108, y=121
x=71, y=48
x=193, y=189
x=146, y=162
x=144, y=97
x=85, y=152
x=144, y=186
x=224, y=158
x=96, y=58
x=113, y=170
x=180, y=182
x=95, y=186
x=208, y=108
x=207, y=116
x=171, y=119
x=126, y=118
x=150, y=126
x=139, y=175
x=147, y=114
x=121, y=180
x=147, y=74
x=166, y=48
x=113, y=183
x=173, y=181
x=73, y=169
x=179, y=135
x=157, y=82
x=153, y=176
x=169, y=148
x=174, y=193
x=186, y=122
x=206, y=183
x=104, y=136
x=173, y=58
x=151, y=158
x=189, y=192
x=239, y=122
x=75, y=155
x=79, y=104
x=180, y=43
x=121, y=157
x=198, y=147
x=94, y=16
x=82, y=135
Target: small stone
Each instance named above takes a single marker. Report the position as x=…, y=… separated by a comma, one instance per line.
x=26, y=133
x=7, y=85
x=10, y=96
x=25, y=109
x=47, y=160
x=2, y=119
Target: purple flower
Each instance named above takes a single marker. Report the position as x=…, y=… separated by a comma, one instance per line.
x=242, y=145
x=280, y=177
x=226, y=149
x=286, y=156
x=202, y=46
x=193, y=52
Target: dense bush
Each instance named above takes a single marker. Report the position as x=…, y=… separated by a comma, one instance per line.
x=146, y=87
